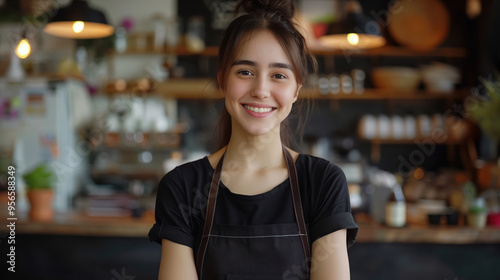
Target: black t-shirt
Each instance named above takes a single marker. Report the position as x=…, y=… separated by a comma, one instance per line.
x=182, y=199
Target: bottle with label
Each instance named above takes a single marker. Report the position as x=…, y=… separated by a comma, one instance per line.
x=395, y=209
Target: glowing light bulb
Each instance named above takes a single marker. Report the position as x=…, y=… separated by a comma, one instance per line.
x=78, y=26
x=23, y=49
x=353, y=39
x=418, y=173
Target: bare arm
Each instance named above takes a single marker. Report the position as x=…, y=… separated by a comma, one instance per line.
x=329, y=257
x=177, y=262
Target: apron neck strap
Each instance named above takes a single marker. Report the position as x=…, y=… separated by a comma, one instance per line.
x=297, y=206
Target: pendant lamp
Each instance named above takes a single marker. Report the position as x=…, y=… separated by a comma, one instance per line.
x=23, y=47
x=79, y=21
x=354, y=31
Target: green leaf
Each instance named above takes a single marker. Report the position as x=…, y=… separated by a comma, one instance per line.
x=487, y=111
x=476, y=210
x=41, y=177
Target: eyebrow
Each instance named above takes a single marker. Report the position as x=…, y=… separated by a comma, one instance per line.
x=253, y=63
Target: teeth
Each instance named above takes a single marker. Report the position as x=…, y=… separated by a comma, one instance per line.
x=258, y=110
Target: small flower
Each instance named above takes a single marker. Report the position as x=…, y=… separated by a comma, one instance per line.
x=127, y=23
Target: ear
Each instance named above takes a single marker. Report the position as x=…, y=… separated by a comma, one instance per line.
x=299, y=86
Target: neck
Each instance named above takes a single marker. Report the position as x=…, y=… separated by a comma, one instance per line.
x=255, y=152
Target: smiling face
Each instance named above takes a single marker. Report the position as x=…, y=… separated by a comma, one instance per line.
x=260, y=86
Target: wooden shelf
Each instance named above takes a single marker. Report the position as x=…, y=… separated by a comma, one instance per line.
x=383, y=51
x=189, y=89
x=397, y=51
x=150, y=141
x=428, y=140
x=128, y=173
x=180, y=51
x=134, y=149
x=77, y=223
x=381, y=94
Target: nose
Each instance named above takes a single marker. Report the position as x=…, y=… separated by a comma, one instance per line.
x=261, y=88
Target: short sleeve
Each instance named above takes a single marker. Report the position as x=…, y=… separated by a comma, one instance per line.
x=172, y=216
x=331, y=208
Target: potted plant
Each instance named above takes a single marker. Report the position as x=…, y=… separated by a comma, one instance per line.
x=477, y=215
x=486, y=112
x=39, y=184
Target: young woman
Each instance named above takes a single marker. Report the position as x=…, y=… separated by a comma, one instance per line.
x=256, y=209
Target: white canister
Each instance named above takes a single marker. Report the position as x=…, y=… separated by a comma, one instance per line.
x=424, y=125
x=398, y=129
x=395, y=213
x=368, y=127
x=383, y=127
x=410, y=125
x=346, y=83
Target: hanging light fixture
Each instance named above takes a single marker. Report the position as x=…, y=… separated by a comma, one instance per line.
x=79, y=21
x=23, y=47
x=354, y=31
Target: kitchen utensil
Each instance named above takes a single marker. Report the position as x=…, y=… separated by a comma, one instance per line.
x=421, y=25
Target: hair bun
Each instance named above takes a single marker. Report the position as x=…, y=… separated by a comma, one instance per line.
x=271, y=8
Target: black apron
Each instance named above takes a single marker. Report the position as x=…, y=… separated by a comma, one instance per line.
x=264, y=252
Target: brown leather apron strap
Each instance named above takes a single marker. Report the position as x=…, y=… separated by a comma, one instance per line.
x=297, y=203
x=209, y=216
x=212, y=198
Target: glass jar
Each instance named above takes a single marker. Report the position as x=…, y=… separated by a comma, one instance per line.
x=195, y=34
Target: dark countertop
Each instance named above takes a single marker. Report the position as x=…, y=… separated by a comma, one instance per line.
x=79, y=224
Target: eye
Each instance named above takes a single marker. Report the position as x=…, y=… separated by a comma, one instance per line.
x=279, y=76
x=245, y=73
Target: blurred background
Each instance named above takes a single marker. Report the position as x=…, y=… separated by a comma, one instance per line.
x=99, y=99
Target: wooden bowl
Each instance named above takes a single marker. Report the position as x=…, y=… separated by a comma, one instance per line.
x=396, y=78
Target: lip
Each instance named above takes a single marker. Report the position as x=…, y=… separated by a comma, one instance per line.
x=255, y=114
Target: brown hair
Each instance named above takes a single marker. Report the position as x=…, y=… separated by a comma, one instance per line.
x=275, y=16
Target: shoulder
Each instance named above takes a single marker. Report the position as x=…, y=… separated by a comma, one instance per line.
x=186, y=172
x=320, y=178
x=312, y=165
x=324, y=188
